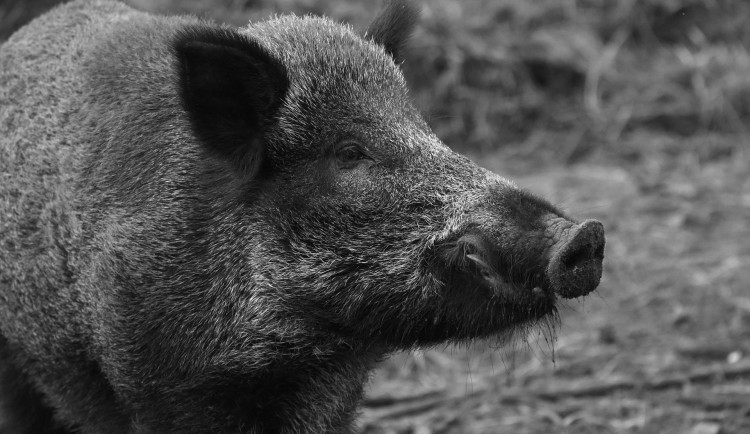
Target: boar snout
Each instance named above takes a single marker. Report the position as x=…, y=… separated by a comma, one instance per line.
x=559, y=258
x=575, y=266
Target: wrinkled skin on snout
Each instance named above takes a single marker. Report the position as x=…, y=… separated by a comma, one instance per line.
x=211, y=229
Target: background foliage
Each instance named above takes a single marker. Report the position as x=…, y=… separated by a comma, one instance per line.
x=634, y=112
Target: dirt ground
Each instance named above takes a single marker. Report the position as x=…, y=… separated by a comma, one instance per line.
x=634, y=113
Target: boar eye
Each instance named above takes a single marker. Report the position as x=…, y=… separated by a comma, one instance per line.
x=349, y=154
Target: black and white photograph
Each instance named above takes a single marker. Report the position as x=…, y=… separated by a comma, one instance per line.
x=374, y=216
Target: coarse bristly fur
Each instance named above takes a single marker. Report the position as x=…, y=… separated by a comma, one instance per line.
x=212, y=229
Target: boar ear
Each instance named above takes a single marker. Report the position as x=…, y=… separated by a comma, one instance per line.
x=231, y=88
x=393, y=27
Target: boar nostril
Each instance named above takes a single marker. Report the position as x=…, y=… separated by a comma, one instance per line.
x=577, y=257
x=576, y=263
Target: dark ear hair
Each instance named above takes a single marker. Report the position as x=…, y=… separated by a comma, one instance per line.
x=231, y=88
x=393, y=26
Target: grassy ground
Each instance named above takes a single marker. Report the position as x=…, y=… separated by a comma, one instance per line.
x=632, y=112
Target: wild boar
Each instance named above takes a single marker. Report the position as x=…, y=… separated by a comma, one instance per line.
x=217, y=229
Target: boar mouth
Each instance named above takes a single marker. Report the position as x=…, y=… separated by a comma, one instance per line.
x=472, y=261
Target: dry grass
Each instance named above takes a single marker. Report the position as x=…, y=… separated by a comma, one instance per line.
x=633, y=112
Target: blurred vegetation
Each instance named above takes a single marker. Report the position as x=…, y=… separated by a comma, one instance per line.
x=548, y=81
